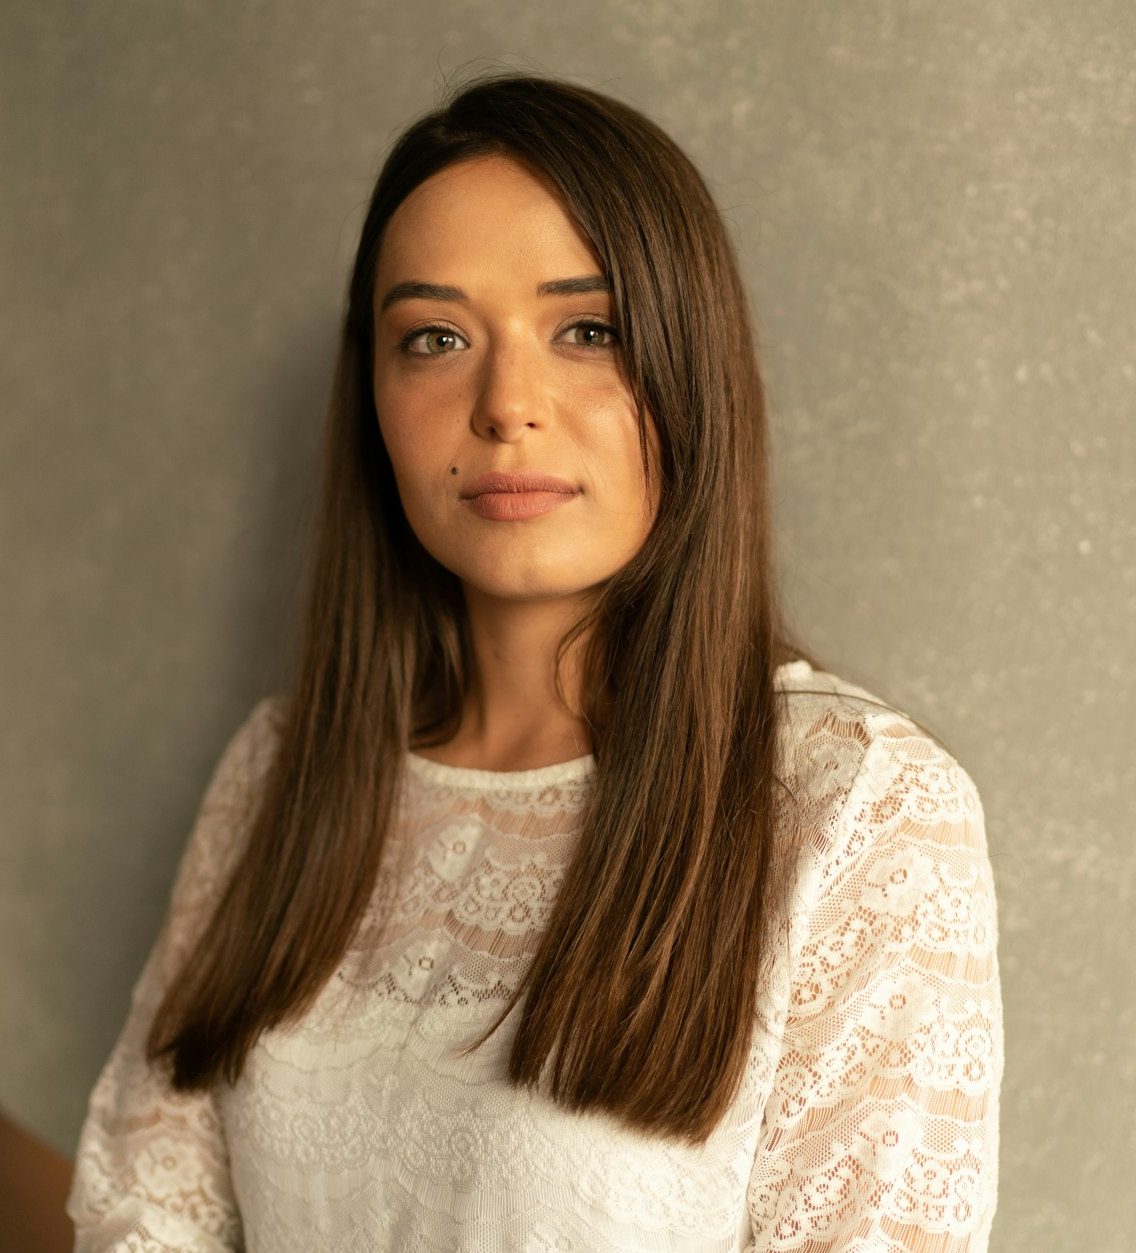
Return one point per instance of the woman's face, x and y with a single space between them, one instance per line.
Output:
486 360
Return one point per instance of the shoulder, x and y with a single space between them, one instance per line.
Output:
860 771
232 793
250 747
885 830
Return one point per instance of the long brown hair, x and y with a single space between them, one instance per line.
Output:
643 991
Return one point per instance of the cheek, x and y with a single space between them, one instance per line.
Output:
399 448
402 429
619 460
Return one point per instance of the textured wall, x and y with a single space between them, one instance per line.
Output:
936 208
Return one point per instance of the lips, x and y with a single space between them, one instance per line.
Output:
500 481
517 506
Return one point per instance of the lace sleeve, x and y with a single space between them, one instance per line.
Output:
881 1131
151 1170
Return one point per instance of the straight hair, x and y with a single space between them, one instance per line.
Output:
644 991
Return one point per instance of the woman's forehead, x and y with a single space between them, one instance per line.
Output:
479 212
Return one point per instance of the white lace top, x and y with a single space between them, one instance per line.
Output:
868 1118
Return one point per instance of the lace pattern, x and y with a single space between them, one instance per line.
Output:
867 1118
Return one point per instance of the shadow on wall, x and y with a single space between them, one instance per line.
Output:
34 1182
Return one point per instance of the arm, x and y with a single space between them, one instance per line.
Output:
881 1131
152 1170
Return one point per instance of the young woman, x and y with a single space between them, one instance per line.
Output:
561 903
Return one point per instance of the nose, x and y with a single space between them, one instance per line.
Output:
511 395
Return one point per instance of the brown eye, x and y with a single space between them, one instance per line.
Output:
591 335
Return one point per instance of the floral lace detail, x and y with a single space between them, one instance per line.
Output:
882 1124
468 886
867 1116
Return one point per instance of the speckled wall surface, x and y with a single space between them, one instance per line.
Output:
936 208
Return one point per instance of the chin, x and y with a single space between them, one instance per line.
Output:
524 589
527 565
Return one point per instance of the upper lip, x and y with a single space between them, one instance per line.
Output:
521 481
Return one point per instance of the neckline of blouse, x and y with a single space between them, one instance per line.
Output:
578 768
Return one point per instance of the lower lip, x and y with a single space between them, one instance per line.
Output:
516 506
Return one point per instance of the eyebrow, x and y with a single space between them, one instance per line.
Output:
582 285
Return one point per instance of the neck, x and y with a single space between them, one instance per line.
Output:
512 711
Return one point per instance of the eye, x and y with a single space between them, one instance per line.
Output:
431 341
591 335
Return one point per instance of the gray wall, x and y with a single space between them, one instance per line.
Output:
936 209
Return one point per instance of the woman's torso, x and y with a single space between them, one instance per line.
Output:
361 1128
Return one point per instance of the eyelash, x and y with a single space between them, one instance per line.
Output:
589 323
